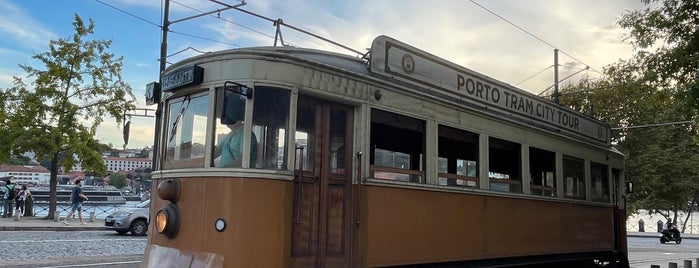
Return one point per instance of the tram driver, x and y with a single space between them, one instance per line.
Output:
231 146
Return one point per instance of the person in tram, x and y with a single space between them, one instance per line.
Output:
231 146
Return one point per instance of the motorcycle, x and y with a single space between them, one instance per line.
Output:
670 234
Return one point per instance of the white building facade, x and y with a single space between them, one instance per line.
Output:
32 175
115 164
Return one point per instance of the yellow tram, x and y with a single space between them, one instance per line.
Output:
290 157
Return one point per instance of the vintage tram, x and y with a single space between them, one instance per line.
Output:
291 157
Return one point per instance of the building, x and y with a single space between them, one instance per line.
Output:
33 175
115 164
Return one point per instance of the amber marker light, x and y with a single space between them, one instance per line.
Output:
167 221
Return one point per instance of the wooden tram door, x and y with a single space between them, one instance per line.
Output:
321 229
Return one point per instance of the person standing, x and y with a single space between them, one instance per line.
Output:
76 199
8 197
21 197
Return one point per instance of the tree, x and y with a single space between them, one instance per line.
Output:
57 116
117 180
654 88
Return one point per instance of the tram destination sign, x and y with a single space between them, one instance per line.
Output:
187 76
397 60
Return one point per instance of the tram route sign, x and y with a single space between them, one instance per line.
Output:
188 76
394 59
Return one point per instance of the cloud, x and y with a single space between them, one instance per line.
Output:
19 28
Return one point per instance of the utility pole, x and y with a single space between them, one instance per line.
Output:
556 95
161 71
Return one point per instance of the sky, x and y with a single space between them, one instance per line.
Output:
509 40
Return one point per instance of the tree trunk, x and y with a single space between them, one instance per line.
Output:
53 183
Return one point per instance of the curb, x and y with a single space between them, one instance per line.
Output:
50 228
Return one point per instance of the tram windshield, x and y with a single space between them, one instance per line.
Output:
264 138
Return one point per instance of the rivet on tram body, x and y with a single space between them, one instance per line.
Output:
169 190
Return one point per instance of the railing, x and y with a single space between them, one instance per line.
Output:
101 210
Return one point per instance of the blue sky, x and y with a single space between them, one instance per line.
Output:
461 31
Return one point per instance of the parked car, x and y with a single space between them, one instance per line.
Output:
130 219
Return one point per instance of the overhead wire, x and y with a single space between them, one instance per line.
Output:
532 76
226 20
130 14
529 33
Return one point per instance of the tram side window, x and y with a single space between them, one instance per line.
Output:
186 133
505 166
398 148
270 119
542 167
574 177
229 129
600 182
458 157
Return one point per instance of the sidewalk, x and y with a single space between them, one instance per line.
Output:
42 224
657 235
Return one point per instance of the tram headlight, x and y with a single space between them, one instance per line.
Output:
167 221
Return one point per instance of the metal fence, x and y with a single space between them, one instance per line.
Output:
100 211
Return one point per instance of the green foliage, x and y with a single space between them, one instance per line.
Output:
117 180
641 98
57 115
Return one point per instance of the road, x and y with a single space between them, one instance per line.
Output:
68 249
643 252
107 249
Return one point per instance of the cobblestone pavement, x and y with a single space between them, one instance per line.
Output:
31 242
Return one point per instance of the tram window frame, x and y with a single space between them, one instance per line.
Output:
574 178
231 109
270 123
599 182
187 115
457 157
505 165
542 170
390 155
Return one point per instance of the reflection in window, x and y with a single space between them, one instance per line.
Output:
338 133
505 166
305 134
186 133
270 123
600 182
397 144
542 167
574 177
458 154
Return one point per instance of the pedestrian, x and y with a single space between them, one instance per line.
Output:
76 199
20 199
8 197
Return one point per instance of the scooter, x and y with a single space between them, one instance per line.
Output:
670 234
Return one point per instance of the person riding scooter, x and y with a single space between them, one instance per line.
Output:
670 233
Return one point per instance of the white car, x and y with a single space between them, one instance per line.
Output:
130 219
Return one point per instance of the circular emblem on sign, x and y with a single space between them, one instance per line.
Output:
408 63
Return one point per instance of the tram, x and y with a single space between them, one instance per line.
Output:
292 157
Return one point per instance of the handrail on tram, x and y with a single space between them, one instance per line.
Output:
298 174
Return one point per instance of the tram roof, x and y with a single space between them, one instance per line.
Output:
388 62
